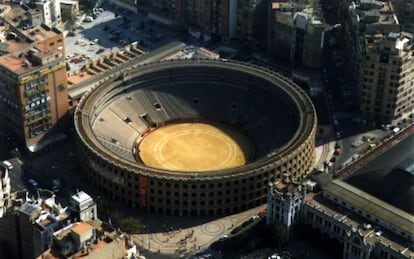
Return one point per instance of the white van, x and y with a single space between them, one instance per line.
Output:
7 164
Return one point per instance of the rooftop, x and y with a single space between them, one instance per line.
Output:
81 197
285 187
371 205
374 15
387 177
29 209
355 222
82 228
20 35
20 18
192 52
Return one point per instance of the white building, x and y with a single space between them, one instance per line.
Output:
50 10
84 206
284 204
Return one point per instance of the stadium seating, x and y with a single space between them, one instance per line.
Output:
251 103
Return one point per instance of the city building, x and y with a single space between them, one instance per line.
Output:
4 189
26 230
171 9
210 18
251 20
295 33
33 92
83 206
90 240
285 200
51 12
35 226
380 63
68 8
366 226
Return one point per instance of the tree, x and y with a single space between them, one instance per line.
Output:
130 225
72 21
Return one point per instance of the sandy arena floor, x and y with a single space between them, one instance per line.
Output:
195 147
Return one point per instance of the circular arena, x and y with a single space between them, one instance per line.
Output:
194 137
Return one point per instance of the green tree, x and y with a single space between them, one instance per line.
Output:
72 22
130 225
89 5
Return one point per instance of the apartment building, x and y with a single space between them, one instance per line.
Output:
208 17
381 61
51 12
165 8
29 223
295 33
33 92
36 226
251 20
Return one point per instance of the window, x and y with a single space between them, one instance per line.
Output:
157 106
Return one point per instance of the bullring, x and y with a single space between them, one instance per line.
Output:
274 114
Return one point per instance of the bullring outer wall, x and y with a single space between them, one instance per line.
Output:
185 193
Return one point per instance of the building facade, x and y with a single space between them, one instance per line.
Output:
33 92
212 18
251 21
295 33
4 189
285 201
366 226
380 63
51 12
83 206
38 227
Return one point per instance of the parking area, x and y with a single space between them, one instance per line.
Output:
111 29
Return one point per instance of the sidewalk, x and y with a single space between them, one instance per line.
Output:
194 239
324 153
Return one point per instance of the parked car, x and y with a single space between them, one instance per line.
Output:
7 164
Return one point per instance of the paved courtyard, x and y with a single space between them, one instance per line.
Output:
193 239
